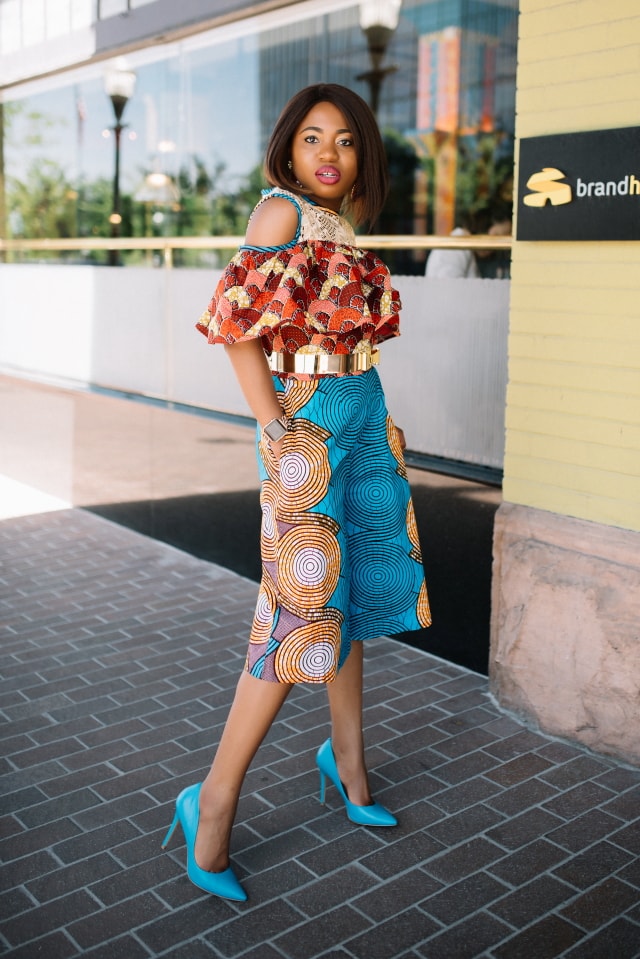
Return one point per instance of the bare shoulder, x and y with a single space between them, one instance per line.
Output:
273 222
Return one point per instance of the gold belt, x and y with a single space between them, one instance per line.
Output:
316 363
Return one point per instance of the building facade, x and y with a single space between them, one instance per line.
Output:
566 588
565 647
208 90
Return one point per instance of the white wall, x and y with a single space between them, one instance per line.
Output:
133 330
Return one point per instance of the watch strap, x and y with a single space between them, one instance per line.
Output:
275 429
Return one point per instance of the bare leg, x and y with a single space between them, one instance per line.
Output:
345 706
255 706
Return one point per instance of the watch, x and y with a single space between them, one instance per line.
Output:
275 429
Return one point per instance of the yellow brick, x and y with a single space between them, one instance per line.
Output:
571 16
569 350
618 407
577 41
598 254
576 119
573 426
601 63
601 91
562 300
578 479
614 276
619 328
600 379
609 510
622 328
607 458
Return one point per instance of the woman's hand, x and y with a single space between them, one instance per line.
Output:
276 448
401 439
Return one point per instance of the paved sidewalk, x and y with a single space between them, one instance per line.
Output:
119 657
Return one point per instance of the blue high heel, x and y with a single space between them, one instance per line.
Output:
223 884
373 815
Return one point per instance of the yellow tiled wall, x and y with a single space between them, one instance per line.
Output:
573 401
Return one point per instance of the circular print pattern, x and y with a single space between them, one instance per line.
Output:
344 410
423 610
309 654
269 532
304 467
264 615
308 567
298 393
412 532
384 576
375 500
394 445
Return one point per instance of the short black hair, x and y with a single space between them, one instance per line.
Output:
372 185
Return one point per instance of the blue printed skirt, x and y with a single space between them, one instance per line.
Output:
341 557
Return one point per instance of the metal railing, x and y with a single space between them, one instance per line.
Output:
167 244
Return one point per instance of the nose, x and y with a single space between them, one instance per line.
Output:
328 150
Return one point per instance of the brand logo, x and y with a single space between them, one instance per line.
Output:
546 189
628 186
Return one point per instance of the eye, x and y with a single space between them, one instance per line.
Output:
345 142
311 138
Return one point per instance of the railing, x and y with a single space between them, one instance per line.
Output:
167 244
131 331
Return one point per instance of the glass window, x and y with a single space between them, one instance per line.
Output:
111 8
58 18
83 13
10 34
33 26
197 124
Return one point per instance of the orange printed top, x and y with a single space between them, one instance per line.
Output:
320 293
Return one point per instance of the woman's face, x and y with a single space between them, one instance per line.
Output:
323 156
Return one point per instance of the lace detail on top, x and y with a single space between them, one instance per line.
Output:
314 223
319 294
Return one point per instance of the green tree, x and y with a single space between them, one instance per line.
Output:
43 203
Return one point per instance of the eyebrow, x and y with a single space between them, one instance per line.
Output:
320 130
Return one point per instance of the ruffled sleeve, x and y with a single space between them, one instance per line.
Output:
314 294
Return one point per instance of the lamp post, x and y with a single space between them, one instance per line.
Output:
378 20
119 86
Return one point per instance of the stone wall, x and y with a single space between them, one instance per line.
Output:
565 648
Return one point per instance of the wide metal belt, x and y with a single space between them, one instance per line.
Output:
318 363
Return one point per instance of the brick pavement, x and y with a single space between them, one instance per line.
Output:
119 658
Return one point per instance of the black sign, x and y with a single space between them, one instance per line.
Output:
580 186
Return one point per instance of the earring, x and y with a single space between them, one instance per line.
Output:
354 192
295 178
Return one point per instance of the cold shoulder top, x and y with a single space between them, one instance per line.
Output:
320 293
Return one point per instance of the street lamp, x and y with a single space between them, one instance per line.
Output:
378 20
119 86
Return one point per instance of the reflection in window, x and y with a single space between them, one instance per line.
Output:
33 26
10 38
446 108
111 8
82 14
58 18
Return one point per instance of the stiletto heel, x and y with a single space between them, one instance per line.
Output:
173 825
223 884
373 815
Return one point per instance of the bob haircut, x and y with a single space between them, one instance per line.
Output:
370 190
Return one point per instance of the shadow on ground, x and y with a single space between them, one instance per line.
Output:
455 525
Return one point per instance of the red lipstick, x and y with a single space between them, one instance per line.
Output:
328 174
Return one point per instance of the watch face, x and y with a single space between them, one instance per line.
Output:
275 430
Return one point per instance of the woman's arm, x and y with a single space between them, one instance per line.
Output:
274 222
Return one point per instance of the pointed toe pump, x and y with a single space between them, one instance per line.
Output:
223 884
372 815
